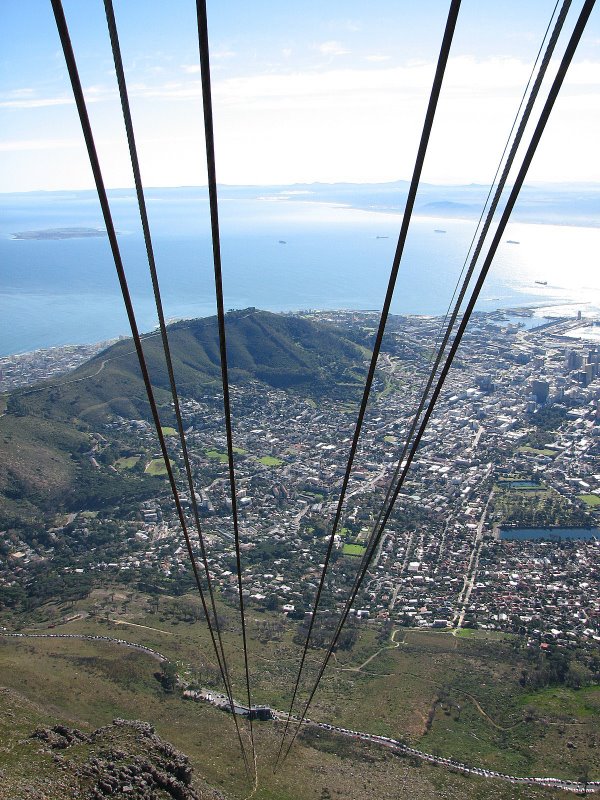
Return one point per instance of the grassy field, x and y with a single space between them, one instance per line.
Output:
127 463
467 688
537 489
168 430
536 451
221 455
591 500
353 549
320 767
532 506
216 455
476 633
157 467
270 461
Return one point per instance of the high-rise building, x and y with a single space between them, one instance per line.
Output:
541 389
574 360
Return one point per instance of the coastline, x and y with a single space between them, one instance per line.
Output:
338 255
18 370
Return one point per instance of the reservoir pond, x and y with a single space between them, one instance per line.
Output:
519 484
549 534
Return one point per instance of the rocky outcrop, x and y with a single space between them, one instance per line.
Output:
137 777
60 737
132 761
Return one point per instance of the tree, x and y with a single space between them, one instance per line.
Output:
272 602
168 676
584 776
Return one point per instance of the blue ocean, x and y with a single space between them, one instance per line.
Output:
279 253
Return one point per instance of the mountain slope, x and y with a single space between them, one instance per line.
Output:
124 759
284 352
46 446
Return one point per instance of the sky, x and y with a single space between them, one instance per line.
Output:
304 91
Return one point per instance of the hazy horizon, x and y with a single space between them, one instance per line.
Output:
333 94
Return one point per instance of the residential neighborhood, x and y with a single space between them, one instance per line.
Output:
494 528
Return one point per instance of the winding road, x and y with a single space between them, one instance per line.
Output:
591 787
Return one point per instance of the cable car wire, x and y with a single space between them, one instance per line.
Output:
63 31
441 347
531 149
216 245
129 128
414 185
487 199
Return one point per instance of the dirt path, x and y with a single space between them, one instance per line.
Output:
135 625
360 668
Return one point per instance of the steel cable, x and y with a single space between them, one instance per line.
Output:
534 142
216 245
420 158
484 231
129 128
71 64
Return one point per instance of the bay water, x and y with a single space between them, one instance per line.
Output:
278 254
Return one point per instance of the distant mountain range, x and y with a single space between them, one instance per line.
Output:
551 203
558 204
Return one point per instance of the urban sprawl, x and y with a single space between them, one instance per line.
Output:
512 450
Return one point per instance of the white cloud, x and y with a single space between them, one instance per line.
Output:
332 48
584 73
364 123
25 98
23 92
16 145
215 55
333 86
465 76
360 123
172 90
37 102
97 93
377 58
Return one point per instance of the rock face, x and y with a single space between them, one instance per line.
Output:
132 761
60 737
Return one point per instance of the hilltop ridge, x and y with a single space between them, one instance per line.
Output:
281 351
45 447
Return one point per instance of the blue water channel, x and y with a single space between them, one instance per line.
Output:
549 534
521 484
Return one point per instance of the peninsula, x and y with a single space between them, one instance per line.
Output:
60 233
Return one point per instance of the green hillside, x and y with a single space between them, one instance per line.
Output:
45 434
457 697
283 352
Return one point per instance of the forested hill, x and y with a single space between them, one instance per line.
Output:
282 351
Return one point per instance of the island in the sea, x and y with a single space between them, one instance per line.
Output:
60 233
